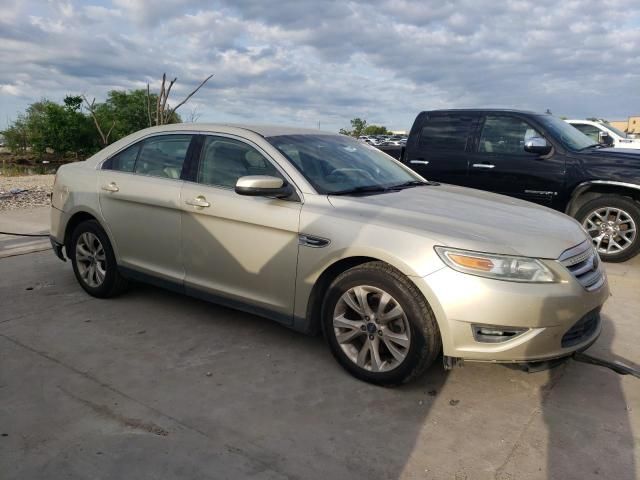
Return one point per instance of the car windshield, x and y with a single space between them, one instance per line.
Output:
339 164
571 137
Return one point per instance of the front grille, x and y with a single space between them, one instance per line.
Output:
584 264
582 330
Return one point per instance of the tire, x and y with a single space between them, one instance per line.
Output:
416 324
624 215
106 281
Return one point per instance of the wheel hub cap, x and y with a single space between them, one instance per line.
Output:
612 229
371 328
90 259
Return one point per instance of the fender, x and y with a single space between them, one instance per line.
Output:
584 186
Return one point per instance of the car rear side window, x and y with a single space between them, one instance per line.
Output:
224 160
123 161
505 135
446 132
163 156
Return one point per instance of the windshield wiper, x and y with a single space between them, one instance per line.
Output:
364 189
409 184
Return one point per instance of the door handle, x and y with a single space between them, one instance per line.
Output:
483 165
199 201
420 162
111 187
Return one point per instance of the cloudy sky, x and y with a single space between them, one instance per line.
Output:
301 62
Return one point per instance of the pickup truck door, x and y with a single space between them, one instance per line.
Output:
439 146
500 164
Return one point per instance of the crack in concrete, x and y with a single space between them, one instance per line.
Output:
106 412
500 474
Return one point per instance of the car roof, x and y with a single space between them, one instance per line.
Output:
483 110
262 130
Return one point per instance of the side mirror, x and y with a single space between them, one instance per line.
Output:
605 139
537 145
263 186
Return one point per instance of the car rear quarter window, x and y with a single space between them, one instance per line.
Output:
446 132
123 161
163 156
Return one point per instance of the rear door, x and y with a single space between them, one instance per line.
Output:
140 201
439 146
501 165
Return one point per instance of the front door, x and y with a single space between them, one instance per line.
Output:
501 165
241 251
140 201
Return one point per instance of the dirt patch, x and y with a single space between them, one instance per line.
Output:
25 191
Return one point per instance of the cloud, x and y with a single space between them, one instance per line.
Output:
304 61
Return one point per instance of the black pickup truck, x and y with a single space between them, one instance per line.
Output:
539 158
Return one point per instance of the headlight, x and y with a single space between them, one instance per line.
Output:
499 267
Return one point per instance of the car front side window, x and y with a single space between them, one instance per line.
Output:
505 135
163 156
224 160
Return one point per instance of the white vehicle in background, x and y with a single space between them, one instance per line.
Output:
605 133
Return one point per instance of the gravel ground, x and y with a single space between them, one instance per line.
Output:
38 188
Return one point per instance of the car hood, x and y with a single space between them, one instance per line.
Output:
469 219
615 153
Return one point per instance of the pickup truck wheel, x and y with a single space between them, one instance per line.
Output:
379 326
93 260
613 223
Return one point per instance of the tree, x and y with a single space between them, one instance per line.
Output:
375 130
361 127
48 125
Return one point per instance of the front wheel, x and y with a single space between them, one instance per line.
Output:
613 222
379 326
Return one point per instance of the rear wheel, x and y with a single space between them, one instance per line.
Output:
379 326
94 262
613 222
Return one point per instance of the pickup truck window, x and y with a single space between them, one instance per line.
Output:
448 132
505 135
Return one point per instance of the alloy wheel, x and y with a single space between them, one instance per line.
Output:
91 259
371 328
612 229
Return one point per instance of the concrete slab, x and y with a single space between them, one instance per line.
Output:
155 385
27 220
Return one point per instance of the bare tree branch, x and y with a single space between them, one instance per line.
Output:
163 110
171 111
92 110
149 105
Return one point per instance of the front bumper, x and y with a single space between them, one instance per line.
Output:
546 311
